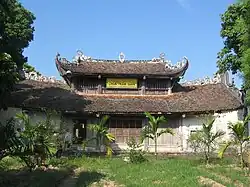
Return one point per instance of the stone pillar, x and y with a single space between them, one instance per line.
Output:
169 90
99 89
169 87
73 85
143 87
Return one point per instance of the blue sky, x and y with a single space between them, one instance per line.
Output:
141 29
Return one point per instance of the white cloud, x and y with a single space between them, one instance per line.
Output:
184 4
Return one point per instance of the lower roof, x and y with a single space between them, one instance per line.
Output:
202 98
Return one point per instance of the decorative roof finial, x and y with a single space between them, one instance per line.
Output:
121 57
162 57
79 56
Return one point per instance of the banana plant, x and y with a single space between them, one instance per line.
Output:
239 138
151 129
103 137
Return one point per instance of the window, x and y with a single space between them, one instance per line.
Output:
89 83
156 84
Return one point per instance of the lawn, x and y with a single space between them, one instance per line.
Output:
87 171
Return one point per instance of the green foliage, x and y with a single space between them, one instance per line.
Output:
135 152
206 139
9 143
39 137
240 139
102 137
246 54
195 143
151 129
16 31
31 145
28 68
8 77
233 31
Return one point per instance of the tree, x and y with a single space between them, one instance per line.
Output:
235 55
233 31
151 129
246 54
16 31
239 139
206 138
28 68
102 137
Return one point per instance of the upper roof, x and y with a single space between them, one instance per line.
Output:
88 66
202 98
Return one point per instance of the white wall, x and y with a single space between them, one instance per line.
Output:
186 125
6 115
36 116
194 122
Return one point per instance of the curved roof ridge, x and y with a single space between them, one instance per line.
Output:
88 67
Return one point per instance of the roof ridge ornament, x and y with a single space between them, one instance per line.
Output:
121 57
80 57
162 57
202 81
178 65
33 75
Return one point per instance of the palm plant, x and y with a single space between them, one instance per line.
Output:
239 138
103 137
208 138
151 129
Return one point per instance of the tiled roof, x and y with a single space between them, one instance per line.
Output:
117 68
210 97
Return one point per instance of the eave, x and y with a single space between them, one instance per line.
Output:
108 69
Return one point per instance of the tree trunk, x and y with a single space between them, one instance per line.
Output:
241 155
155 139
208 154
97 143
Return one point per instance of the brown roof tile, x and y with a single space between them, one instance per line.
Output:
211 97
117 68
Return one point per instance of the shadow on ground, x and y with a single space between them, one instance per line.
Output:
39 178
86 178
49 178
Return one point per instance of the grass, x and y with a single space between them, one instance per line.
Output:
14 174
175 171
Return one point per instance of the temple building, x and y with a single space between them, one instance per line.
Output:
124 90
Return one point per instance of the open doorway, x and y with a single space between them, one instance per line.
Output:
80 131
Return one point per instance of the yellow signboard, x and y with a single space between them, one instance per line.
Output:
121 83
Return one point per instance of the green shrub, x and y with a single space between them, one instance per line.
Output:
135 153
195 142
